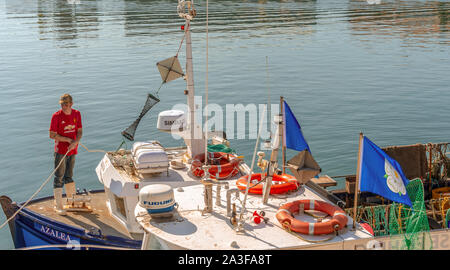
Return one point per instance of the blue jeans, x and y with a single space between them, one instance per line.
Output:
63 175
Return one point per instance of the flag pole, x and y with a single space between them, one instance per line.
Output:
283 146
358 169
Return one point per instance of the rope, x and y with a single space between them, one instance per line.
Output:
251 170
43 184
157 91
206 88
118 148
269 113
35 193
176 56
92 151
182 40
288 229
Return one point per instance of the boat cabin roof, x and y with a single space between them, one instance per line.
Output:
190 228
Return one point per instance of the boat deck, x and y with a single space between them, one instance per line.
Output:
190 228
99 218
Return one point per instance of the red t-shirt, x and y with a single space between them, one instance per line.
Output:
67 126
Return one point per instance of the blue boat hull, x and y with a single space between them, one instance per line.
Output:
30 230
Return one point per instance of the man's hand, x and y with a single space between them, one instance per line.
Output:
72 145
56 136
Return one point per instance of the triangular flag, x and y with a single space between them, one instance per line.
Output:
292 135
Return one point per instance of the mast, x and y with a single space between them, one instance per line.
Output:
273 164
281 131
195 134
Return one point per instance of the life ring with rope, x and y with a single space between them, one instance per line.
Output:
337 222
223 165
280 183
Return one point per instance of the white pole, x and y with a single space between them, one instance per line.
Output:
240 223
196 136
273 157
206 89
358 176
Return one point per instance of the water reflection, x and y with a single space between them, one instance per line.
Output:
70 21
409 20
64 21
76 19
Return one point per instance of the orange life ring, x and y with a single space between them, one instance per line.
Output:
337 222
223 165
280 183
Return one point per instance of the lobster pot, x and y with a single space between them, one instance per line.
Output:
171 121
157 199
149 157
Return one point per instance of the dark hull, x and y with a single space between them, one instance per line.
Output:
31 230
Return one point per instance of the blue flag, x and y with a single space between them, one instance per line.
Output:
381 174
293 136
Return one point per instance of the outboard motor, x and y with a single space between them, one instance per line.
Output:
158 200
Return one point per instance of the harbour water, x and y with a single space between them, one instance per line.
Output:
344 66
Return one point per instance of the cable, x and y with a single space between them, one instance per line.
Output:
91 151
35 193
43 184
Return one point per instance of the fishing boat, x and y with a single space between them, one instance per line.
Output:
202 195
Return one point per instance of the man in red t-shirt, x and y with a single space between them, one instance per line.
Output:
66 130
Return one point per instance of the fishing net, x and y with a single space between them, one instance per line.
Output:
220 148
408 227
415 222
447 218
129 132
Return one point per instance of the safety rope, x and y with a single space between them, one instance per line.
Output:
35 193
288 229
243 209
173 61
45 182
92 151
206 87
232 172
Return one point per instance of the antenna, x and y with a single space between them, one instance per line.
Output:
241 216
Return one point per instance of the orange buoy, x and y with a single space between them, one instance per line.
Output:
280 183
337 222
223 165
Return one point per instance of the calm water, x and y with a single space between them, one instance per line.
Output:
344 66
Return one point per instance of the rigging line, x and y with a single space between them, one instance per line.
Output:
36 192
206 89
92 151
118 148
159 88
182 39
45 182
268 96
176 55
251 170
